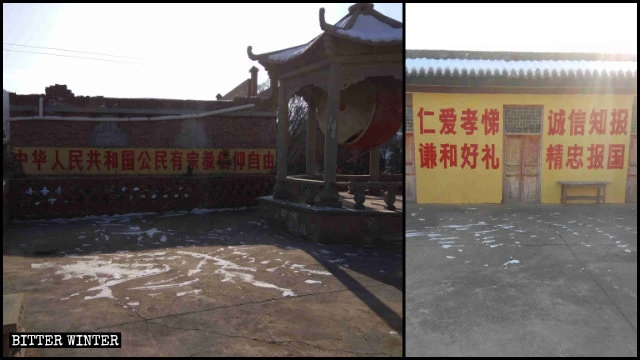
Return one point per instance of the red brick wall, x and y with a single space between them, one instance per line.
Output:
225 132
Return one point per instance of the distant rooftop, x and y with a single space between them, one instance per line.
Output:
59 100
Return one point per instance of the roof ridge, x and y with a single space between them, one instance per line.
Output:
554 68
517 55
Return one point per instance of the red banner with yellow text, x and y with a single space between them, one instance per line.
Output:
132 161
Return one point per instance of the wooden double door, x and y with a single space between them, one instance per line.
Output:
522 165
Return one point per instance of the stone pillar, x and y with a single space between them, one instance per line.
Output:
329 195
273 85
312 125
280 190
374 170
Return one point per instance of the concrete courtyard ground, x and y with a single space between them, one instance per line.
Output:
538 280
204 284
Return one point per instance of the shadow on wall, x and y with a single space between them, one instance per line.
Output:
192 135
108 134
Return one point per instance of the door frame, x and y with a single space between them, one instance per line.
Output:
540 153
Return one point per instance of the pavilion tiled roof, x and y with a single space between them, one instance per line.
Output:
362 24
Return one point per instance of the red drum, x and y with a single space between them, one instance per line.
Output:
369 113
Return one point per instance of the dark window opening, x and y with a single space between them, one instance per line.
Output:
522 119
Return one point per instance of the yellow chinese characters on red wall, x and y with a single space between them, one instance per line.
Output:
132 161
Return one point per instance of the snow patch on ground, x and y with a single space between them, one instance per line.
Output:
198 268
164 286
335 261
157 253
478 233
414 234
224 264
106 273
248 278
196 291
70 296
317 272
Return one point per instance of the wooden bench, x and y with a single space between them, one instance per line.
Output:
600 198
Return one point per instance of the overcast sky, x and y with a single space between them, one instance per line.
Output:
177 51
611 28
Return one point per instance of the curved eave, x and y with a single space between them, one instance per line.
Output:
281 57
267 58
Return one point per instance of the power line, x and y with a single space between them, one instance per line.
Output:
75 57
81 52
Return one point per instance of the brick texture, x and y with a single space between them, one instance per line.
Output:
224 132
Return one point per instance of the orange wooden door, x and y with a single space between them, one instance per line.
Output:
521 182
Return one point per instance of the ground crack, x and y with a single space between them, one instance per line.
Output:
597 282
288 298
272 341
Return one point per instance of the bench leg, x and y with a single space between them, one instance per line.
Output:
563 197
598 198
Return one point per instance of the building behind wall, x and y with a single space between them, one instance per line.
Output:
497 127
242 118
158 153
